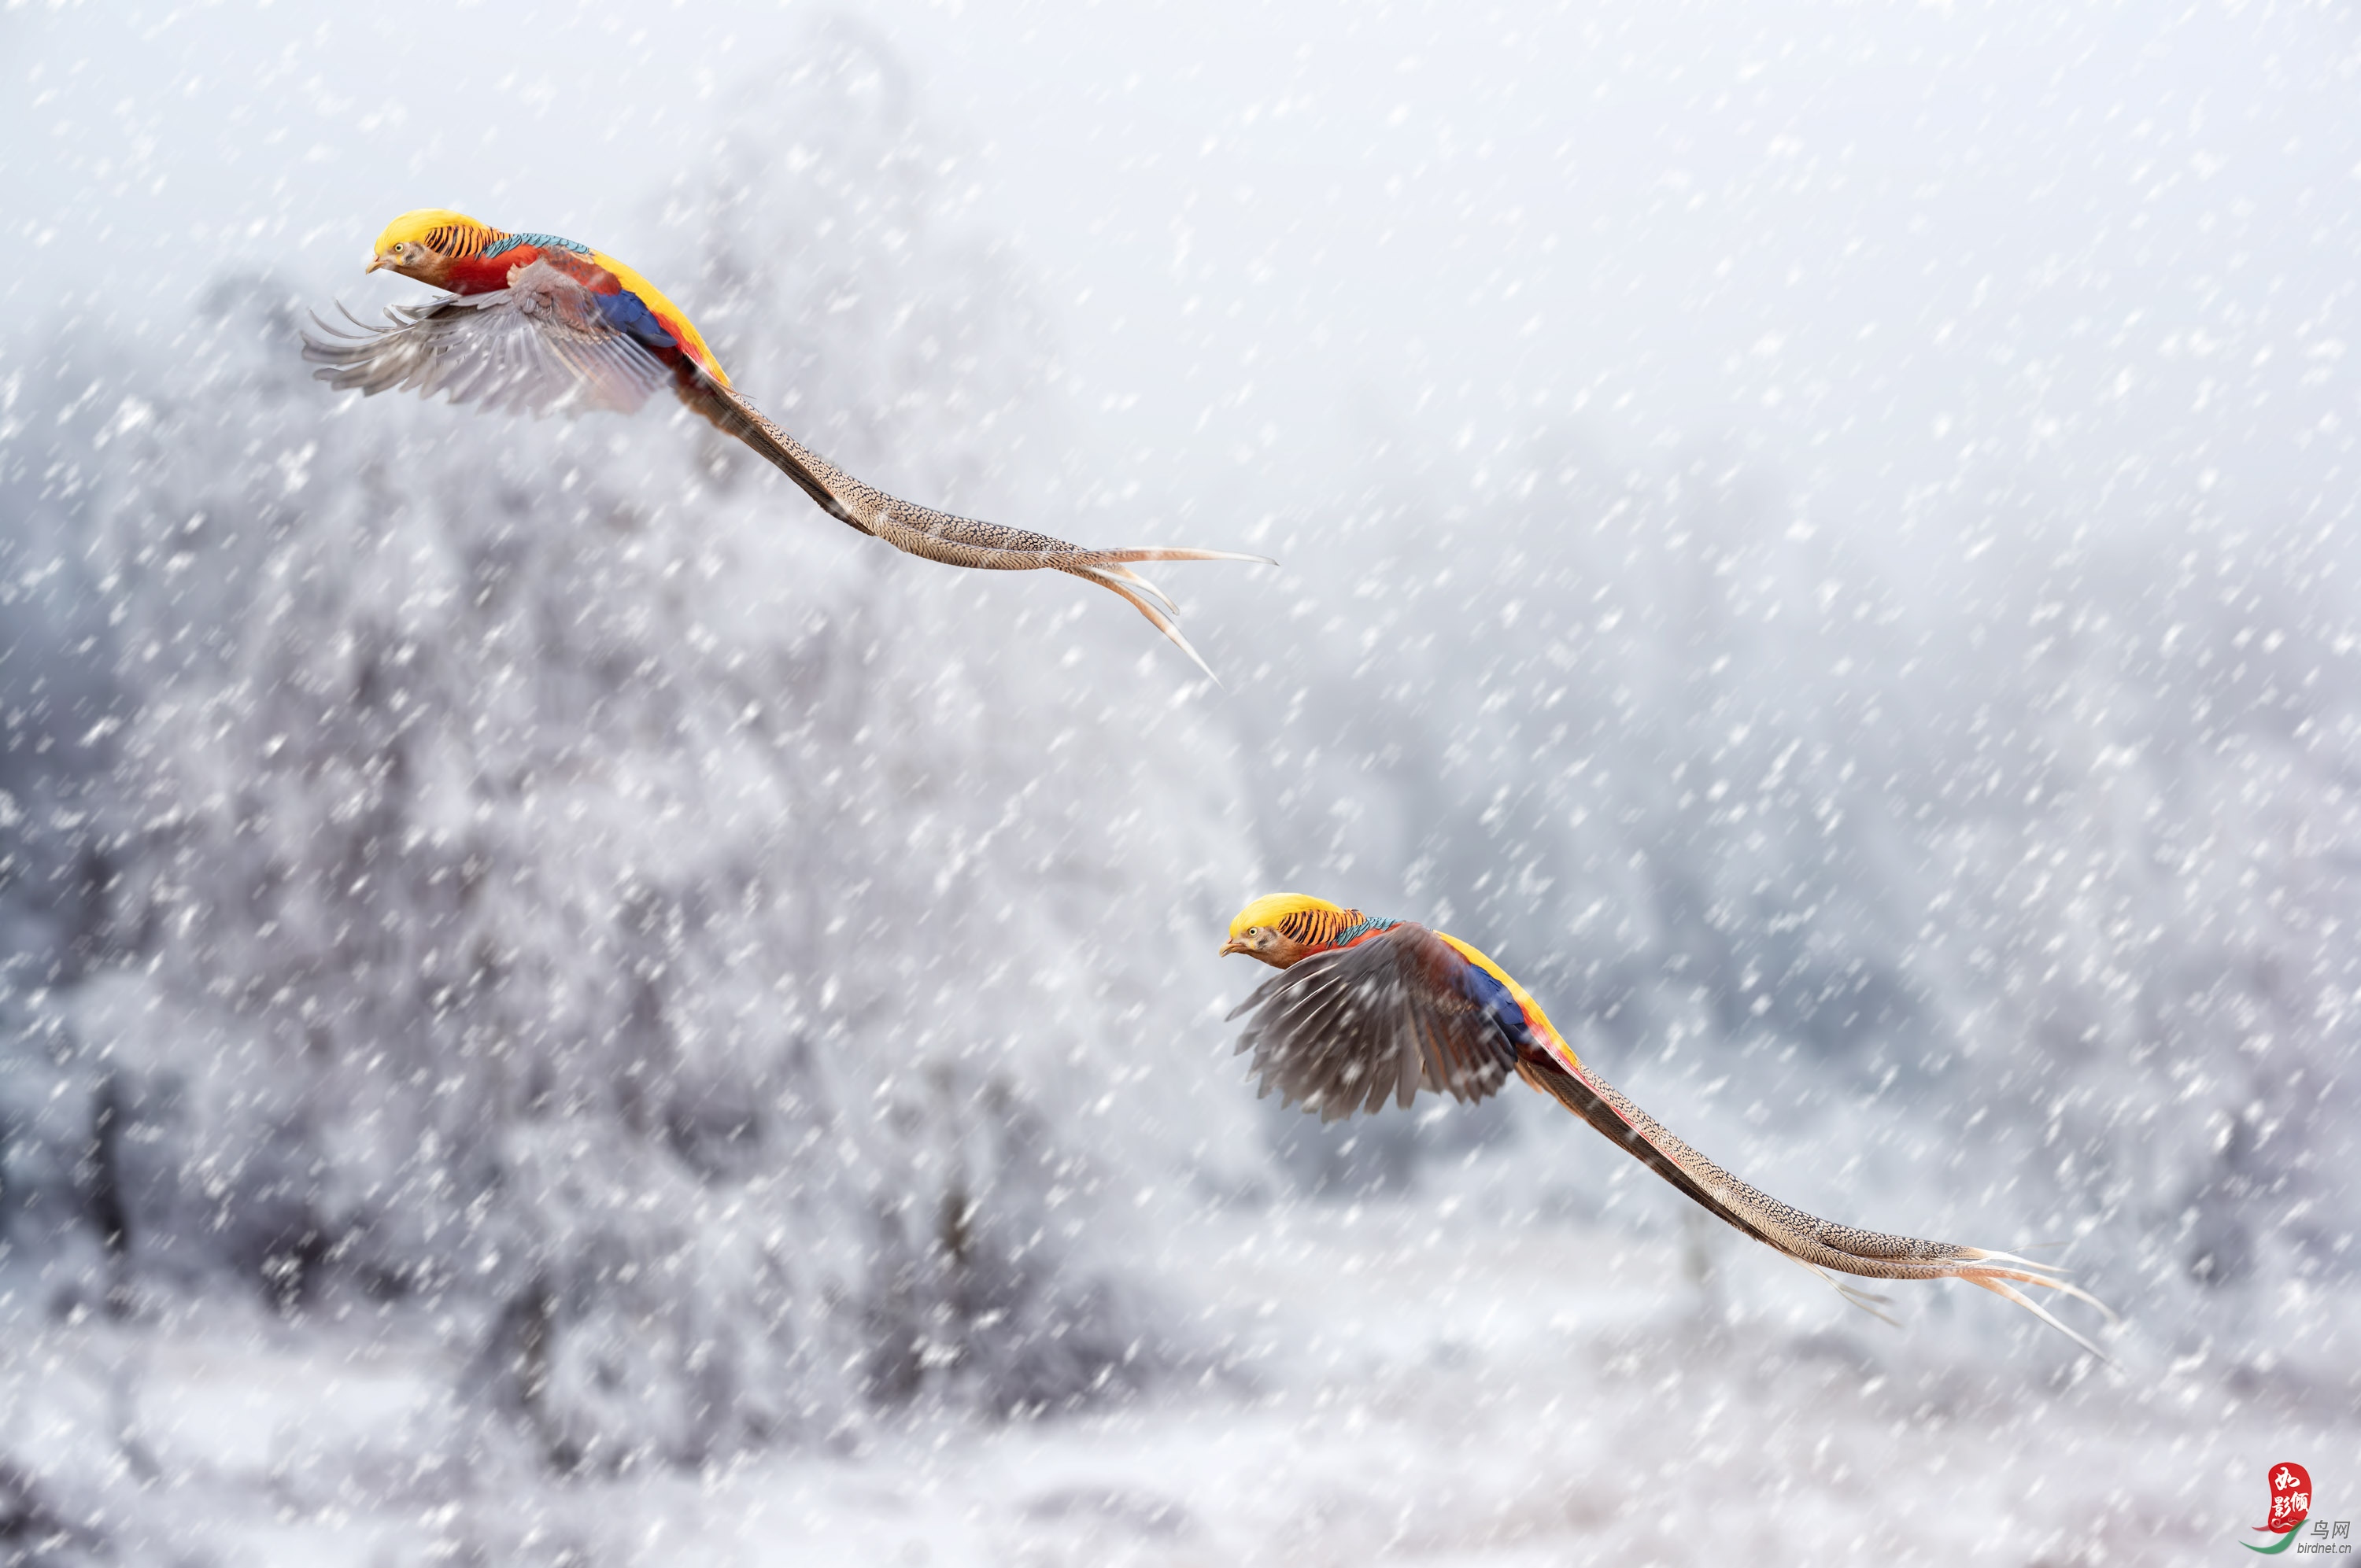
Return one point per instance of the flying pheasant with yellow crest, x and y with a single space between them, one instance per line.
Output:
533 322
1366 1009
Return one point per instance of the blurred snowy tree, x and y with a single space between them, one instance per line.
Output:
587 892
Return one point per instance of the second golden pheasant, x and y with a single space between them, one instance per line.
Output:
1364 1010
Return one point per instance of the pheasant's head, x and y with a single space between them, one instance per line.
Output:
1284 928
423 244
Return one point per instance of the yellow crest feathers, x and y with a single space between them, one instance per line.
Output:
1271 909
416 226
438 228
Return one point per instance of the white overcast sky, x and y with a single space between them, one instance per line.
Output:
1880 249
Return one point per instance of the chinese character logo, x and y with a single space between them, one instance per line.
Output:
2291 1501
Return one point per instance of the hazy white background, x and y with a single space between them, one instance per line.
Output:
1820 535
2097 245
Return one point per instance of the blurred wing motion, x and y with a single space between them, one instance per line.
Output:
1391 1015
1404 1008
538 346
550 343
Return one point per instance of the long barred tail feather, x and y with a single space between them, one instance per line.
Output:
943 536
1819 1245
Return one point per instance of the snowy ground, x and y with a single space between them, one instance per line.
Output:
1411 1390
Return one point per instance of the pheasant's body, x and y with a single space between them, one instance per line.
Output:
1366 1009
483 260
535 321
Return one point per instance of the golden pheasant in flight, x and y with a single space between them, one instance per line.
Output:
1366 1009
535 323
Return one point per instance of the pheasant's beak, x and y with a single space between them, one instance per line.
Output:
377 261
1233 945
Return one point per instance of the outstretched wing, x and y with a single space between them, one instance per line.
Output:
1395 1012
543 344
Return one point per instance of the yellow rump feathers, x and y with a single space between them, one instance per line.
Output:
1524 998
1271 909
